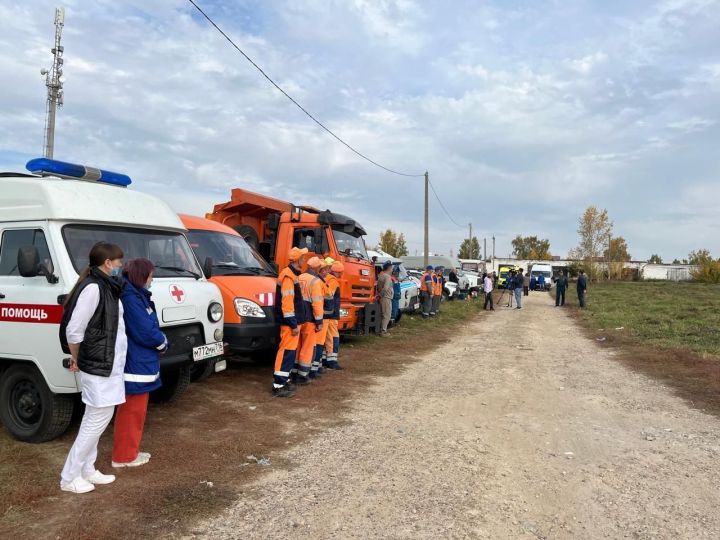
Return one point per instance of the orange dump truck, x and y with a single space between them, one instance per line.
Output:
246 281
274 227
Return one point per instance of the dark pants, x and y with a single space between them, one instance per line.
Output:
526 290
581 298
559 297
489 300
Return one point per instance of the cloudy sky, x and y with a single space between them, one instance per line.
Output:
523 112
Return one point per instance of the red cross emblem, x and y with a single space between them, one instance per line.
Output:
178 295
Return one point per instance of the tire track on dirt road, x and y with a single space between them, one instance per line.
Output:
520 427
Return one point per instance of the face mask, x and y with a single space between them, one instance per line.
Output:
115 272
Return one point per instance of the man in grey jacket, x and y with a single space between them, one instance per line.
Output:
385 294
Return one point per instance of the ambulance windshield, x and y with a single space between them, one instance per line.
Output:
231 255
351 244
168 251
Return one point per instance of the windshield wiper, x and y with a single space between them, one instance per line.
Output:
179 269
258 269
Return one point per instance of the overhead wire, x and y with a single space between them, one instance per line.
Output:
303 109
318 122
443 206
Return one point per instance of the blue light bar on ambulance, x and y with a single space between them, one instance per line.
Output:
45 167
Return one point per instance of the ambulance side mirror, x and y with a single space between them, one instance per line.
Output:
28 263
207 267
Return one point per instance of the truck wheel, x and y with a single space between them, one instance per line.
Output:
174 384
202 370
249 234
30 411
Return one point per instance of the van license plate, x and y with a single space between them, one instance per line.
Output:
207 351
417 306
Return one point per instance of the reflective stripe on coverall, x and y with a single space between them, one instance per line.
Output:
332 337
311 287
426 293
287 352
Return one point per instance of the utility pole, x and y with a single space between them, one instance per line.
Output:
54 85
426 251
493 247
485 249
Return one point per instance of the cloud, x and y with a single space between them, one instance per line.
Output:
523 116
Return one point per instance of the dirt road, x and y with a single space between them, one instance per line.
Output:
519 428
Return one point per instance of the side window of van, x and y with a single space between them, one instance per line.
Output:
13 240
305 238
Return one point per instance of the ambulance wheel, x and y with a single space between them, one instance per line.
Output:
202 370
174 383
30 411
249 234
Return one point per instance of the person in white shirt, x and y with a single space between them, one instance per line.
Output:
487 289
93 332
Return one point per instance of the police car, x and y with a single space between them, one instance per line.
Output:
49 220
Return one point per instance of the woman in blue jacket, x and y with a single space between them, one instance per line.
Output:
142 368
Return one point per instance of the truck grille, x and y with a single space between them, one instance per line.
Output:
359 291
183 338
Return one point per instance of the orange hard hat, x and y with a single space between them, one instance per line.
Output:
315 262
296 253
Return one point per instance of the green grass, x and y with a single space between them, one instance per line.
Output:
451 313
664 314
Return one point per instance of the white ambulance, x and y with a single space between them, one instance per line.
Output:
49 220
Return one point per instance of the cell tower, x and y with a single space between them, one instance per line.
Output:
54 85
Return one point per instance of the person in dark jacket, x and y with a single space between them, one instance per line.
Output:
560 288
397 294
142 369
582 288
92 331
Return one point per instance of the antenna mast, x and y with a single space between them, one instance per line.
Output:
54 85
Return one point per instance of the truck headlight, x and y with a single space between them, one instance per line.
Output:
364 272
248 308
344 312
215 312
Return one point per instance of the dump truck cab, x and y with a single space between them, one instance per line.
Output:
273 227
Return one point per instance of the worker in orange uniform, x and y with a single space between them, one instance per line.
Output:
291 313
437 289
332 338
313 292
426 292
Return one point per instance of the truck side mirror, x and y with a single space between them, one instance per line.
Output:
207 267
28 263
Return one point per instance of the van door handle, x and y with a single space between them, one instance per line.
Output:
2 296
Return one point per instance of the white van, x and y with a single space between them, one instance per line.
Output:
409 286
48 223
545 270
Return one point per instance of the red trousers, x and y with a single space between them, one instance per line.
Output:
129 423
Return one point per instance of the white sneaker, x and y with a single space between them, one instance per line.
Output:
139 460
79 485
99 478
146 454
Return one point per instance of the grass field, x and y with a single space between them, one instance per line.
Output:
663 314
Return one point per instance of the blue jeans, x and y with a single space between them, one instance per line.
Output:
518 297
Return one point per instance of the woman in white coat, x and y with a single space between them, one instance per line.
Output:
93 332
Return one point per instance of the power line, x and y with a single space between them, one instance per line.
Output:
318 122
443 207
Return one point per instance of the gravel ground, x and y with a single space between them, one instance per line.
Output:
540 436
